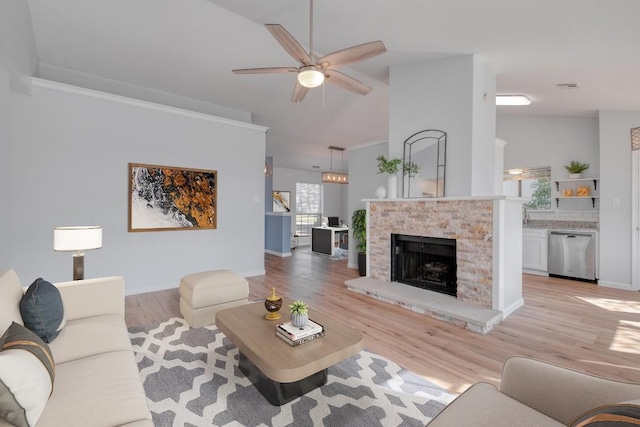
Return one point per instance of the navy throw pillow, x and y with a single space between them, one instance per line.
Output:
42 310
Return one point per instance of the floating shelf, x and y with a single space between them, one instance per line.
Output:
593 199
558 181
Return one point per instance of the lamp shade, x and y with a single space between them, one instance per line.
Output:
77 238
310 76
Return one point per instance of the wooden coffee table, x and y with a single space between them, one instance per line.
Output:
279 371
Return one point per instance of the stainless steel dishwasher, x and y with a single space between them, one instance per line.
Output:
572 255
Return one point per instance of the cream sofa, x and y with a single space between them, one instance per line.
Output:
96 378
534 394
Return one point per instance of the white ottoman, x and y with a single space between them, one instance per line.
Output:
203 294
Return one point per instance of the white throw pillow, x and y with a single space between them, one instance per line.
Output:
26 376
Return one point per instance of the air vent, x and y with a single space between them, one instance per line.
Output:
567 86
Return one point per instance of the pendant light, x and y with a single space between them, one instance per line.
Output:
335 177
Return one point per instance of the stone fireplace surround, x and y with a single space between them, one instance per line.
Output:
489 261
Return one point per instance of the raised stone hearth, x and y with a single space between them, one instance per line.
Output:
488 235
429 303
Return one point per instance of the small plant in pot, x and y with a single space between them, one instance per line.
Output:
299 314
575 168
359 230
391 166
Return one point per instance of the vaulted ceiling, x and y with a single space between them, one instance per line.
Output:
188 48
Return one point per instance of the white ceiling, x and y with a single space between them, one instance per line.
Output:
189 48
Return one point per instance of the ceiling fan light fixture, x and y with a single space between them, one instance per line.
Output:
512 100
310 76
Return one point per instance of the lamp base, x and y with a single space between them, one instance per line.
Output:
78 266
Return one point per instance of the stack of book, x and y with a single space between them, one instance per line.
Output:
295 336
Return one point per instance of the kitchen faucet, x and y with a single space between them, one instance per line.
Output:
525 215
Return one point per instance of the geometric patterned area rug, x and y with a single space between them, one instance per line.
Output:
191 378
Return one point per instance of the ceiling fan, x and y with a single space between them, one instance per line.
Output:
312 70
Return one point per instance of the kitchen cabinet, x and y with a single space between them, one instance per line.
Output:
570 191
534 250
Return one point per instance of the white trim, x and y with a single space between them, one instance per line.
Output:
516 305
367 144
142 104
280 254
165 286
535 272
624 286
446 199
635 220
151 288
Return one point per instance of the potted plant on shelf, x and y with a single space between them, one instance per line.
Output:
299 314
390 167
575 169
359 230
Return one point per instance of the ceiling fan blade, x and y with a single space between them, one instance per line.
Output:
289 44
352 54
346 82
299 92
268 70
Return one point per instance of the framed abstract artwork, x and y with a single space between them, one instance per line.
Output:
282 201
171 198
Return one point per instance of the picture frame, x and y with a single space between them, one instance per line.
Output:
282 201
164 198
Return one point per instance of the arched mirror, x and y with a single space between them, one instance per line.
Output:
424 164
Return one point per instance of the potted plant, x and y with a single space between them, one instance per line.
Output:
391 168
299 314
359 230
575 169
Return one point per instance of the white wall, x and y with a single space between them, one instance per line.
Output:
5 167
447 95
285 180
70 155
18 60
363 181
615 221
484 130
546 141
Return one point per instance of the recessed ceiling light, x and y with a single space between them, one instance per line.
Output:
515 171
512 100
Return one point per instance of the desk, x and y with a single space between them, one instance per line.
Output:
323 239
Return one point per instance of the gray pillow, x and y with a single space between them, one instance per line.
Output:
27 374
42 311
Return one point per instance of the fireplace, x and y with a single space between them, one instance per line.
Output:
424 262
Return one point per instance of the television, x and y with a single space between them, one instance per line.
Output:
333 221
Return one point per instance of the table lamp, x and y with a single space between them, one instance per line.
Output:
78 239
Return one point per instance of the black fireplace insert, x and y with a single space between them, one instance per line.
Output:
424 262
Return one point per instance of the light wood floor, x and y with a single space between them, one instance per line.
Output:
575 324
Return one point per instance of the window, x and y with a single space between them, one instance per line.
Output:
308 207
532 184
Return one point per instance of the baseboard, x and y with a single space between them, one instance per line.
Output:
152 288
253 273
624 286
516 305
165 286
536 272
280 254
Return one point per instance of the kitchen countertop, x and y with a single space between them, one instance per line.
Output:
561 225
